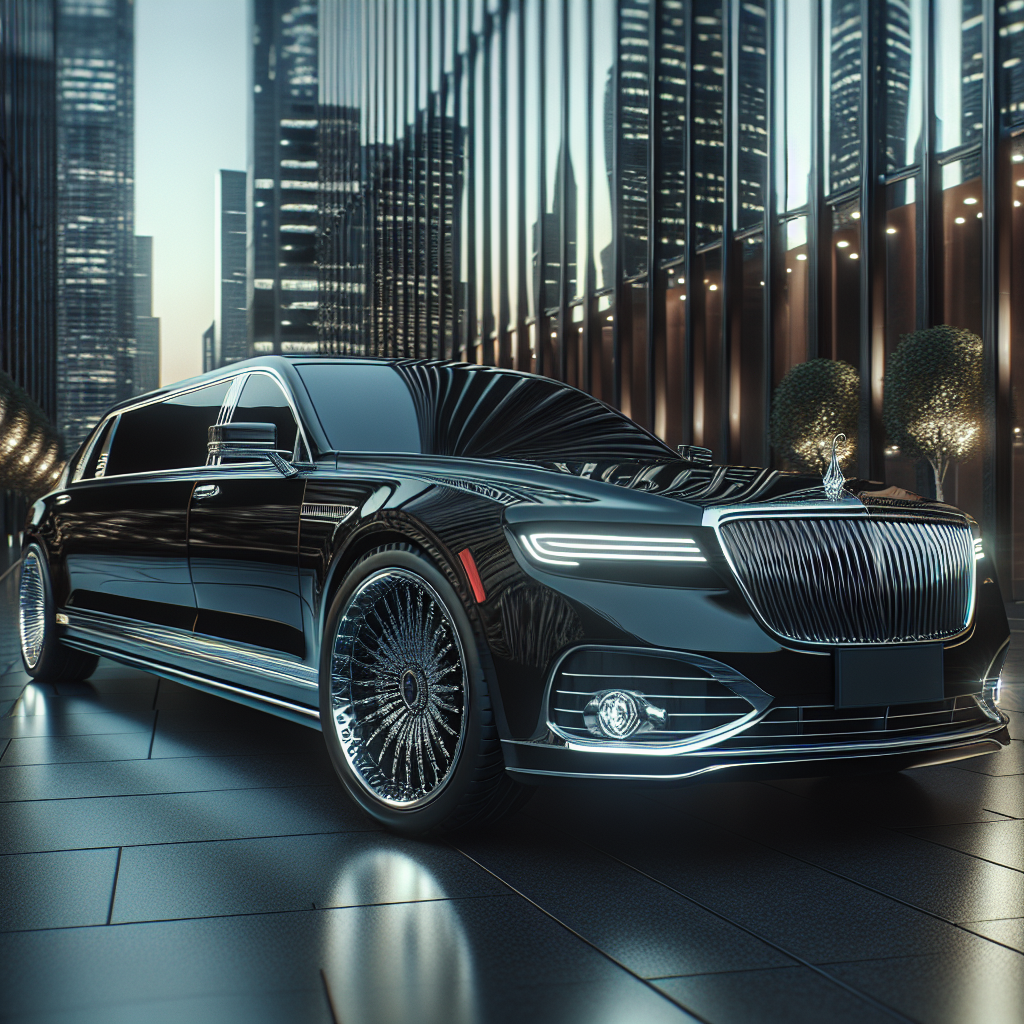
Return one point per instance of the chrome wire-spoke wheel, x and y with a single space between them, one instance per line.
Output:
32 609
399 688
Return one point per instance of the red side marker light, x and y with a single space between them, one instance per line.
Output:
466 558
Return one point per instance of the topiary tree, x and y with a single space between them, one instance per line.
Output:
934 405
30 460
815 401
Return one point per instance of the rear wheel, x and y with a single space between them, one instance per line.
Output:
45 658
404 702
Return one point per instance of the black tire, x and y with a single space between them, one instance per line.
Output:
45 658
414 684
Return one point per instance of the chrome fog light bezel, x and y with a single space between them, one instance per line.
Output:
640 714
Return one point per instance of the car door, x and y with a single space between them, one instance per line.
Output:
243 534
122 521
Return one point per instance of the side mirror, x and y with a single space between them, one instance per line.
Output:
248 441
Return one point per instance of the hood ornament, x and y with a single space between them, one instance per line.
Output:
833 478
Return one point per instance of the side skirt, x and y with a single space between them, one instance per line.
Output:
283 708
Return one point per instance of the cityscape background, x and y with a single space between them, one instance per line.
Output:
668 203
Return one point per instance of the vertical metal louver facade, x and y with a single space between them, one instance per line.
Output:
671 203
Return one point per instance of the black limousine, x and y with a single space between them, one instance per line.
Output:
473 579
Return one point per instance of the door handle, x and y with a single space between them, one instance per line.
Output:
206 491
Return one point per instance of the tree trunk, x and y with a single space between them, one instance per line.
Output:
939 469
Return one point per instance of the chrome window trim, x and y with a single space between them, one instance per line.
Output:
737 682
87 453
289 397
848 507
233 378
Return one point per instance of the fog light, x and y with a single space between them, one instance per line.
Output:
619 714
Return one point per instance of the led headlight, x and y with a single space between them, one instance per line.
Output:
573 548
978 549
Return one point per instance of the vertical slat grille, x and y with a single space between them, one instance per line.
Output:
856 580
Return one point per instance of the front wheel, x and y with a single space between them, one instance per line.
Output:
404 703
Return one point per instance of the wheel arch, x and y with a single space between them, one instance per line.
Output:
376 535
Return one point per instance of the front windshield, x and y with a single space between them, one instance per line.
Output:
470 411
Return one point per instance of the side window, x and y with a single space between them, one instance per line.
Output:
263 401
166 435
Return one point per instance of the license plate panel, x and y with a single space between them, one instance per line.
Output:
888 674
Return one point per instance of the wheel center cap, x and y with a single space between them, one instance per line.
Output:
411 688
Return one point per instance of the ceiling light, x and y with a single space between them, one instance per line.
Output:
854 256
959 220
801 257
890 231
855 214
842 245
713 288
970 201
1020 184
789 270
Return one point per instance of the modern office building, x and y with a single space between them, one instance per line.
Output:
147 326
28 217
95 189
28 198
670 203
229 286
283 174
209 345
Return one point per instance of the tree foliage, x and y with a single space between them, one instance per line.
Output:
29 446
815 401
934 404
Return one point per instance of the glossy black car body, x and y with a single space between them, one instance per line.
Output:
739 599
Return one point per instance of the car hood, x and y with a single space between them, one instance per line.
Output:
708 486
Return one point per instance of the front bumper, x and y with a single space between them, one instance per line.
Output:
532 761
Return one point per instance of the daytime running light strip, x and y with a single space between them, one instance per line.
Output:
563 548
978 551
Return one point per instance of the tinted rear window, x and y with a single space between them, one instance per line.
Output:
166 435
471 411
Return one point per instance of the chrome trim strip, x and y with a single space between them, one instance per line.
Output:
848 505
884 746
166 640
335 513
707 769
194 679
724 674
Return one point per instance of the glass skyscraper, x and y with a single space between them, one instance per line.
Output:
671 203
229 287
95 188
28 219
283 174
28 198
147 326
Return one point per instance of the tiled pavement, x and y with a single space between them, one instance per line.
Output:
166 856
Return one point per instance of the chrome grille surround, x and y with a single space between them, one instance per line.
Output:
707 701
833 574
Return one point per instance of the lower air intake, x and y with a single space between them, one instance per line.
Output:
694 700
